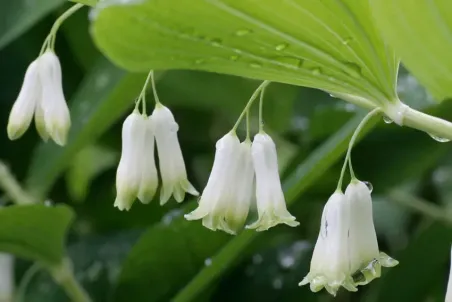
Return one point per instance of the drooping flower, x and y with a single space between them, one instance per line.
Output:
24 107
129 173
330 260
271 205
171 161
449 284
149 179
57 119
225 202
41 95
365 258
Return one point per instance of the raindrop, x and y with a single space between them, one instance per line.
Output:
234 58
316 71
243 32
255 65
174 127
369 186
216 42
347 41
353 69
439 139
281 46
332 95
387 120
295 62
208 262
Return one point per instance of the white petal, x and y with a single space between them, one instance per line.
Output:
6 277
220 194
271 205
363 238
24 107
330 261
129 173
171 161
149 181
40 121
449 285
56 113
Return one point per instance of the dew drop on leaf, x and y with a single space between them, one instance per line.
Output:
316 71
281 46
243 32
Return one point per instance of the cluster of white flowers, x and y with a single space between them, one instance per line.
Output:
41 96
137 174
346 253
240 173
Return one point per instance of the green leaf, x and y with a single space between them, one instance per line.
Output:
165 258
330 45
421 33
104 96
35 232
19 15
304 176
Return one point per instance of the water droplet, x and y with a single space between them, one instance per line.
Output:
316 71
387 120
243 32
216 42
353 69
234 58
199 61
281 46
255 65
174 127
439 139
292 61
369 186
332 95
208 262
347 41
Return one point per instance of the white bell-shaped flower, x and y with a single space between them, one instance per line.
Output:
171 161
330 260
365 258
6 277
130 171
149 179
271 205
225 202
449 284
24 107
57 119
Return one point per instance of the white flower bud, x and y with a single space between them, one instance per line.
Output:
129 173
171 162
56 113
224 203
330 260
149 179
271 205
24 107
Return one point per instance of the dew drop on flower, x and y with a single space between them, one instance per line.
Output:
369 185
387 120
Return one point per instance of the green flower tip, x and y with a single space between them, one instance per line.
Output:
268 220
373 269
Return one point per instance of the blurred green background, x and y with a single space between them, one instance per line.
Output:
151 253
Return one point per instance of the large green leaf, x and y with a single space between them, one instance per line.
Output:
421 32
19 15
104 96
35 232
330 45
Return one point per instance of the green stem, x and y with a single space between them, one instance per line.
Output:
419 205
154 90
25 281
12 188
348 159
142 96
250 102
60 21
63 274
261 105
91 3
248 125
427 123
